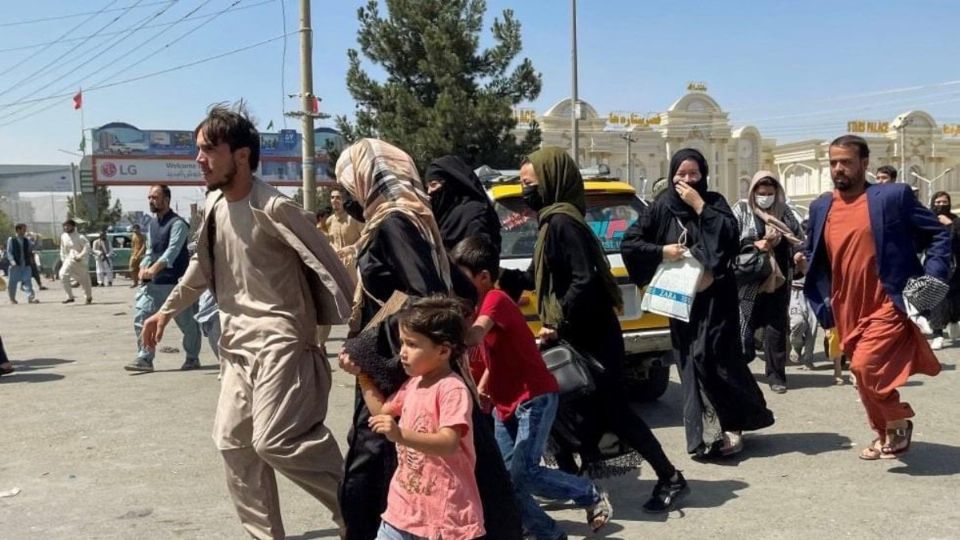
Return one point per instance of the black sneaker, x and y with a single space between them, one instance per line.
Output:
666 495
68 301
778 388
141 366
190 364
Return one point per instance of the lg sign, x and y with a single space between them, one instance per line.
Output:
110 169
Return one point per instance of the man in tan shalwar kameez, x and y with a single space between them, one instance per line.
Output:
275 279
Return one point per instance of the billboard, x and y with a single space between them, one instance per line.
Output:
126 155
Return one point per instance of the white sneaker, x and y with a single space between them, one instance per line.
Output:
937 343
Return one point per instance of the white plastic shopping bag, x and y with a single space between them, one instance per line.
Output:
673 288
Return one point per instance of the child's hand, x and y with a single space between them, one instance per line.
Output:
385 425
347 365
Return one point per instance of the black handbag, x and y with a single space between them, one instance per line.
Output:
572 369
751 265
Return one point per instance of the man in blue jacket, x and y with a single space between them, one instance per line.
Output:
862 247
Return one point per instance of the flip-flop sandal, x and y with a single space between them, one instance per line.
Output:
872 452
896 437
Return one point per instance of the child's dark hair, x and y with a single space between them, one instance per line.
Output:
477 253
441 318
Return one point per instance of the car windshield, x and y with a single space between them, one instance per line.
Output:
609 216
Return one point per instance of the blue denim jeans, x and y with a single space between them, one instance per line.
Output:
389 532
522 440
150 297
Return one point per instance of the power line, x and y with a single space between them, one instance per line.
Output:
65 34
283 66
75 15
153 74
107 34
209 19
57 59
104 50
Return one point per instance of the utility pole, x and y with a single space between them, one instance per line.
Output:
630 140
307 101
574 101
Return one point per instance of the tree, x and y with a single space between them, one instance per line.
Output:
6 227
442 95
105 216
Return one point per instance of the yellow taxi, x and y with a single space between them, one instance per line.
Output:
612 206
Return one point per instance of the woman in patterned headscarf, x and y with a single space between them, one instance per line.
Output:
400 249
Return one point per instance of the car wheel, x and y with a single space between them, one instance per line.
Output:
646 376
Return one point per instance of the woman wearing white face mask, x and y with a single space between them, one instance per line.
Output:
768 223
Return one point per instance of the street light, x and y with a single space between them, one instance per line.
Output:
900 124
628 136
930 182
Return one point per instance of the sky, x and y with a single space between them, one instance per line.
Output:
796 70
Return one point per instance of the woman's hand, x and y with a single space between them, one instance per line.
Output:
763 245
673 252
706 280
690 196
945 220
800 260
547 335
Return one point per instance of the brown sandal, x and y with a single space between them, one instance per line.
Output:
898 442
872 452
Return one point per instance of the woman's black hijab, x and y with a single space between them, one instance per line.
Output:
677 206
461 206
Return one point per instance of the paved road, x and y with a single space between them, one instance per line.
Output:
99 453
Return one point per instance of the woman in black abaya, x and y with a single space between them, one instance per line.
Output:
720 396
460 203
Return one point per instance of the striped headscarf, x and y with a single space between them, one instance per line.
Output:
384 179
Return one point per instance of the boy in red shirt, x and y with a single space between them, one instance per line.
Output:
525 398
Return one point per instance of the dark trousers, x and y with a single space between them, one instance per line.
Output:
608 410
771 313
3 353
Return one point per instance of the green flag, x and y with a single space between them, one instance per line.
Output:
83 144
270 125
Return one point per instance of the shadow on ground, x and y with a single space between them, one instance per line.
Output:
778 444
703 494
18 376
929 459
322 533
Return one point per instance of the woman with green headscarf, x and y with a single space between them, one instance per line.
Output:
578 302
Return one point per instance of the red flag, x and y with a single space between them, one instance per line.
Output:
78 100
315 105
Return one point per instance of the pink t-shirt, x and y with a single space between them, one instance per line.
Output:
435 496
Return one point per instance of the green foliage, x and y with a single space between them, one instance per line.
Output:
6 227
442 94
105 215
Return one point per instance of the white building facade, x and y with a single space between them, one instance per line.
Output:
734 154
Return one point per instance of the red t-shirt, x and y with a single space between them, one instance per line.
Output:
517 371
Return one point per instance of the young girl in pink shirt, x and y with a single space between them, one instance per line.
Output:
433 493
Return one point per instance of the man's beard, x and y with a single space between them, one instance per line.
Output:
228 178
842 183
153 208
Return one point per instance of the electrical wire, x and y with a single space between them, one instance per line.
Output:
104 50
283 65
52 43
209 18
106 34
75 15
152 74
57 59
